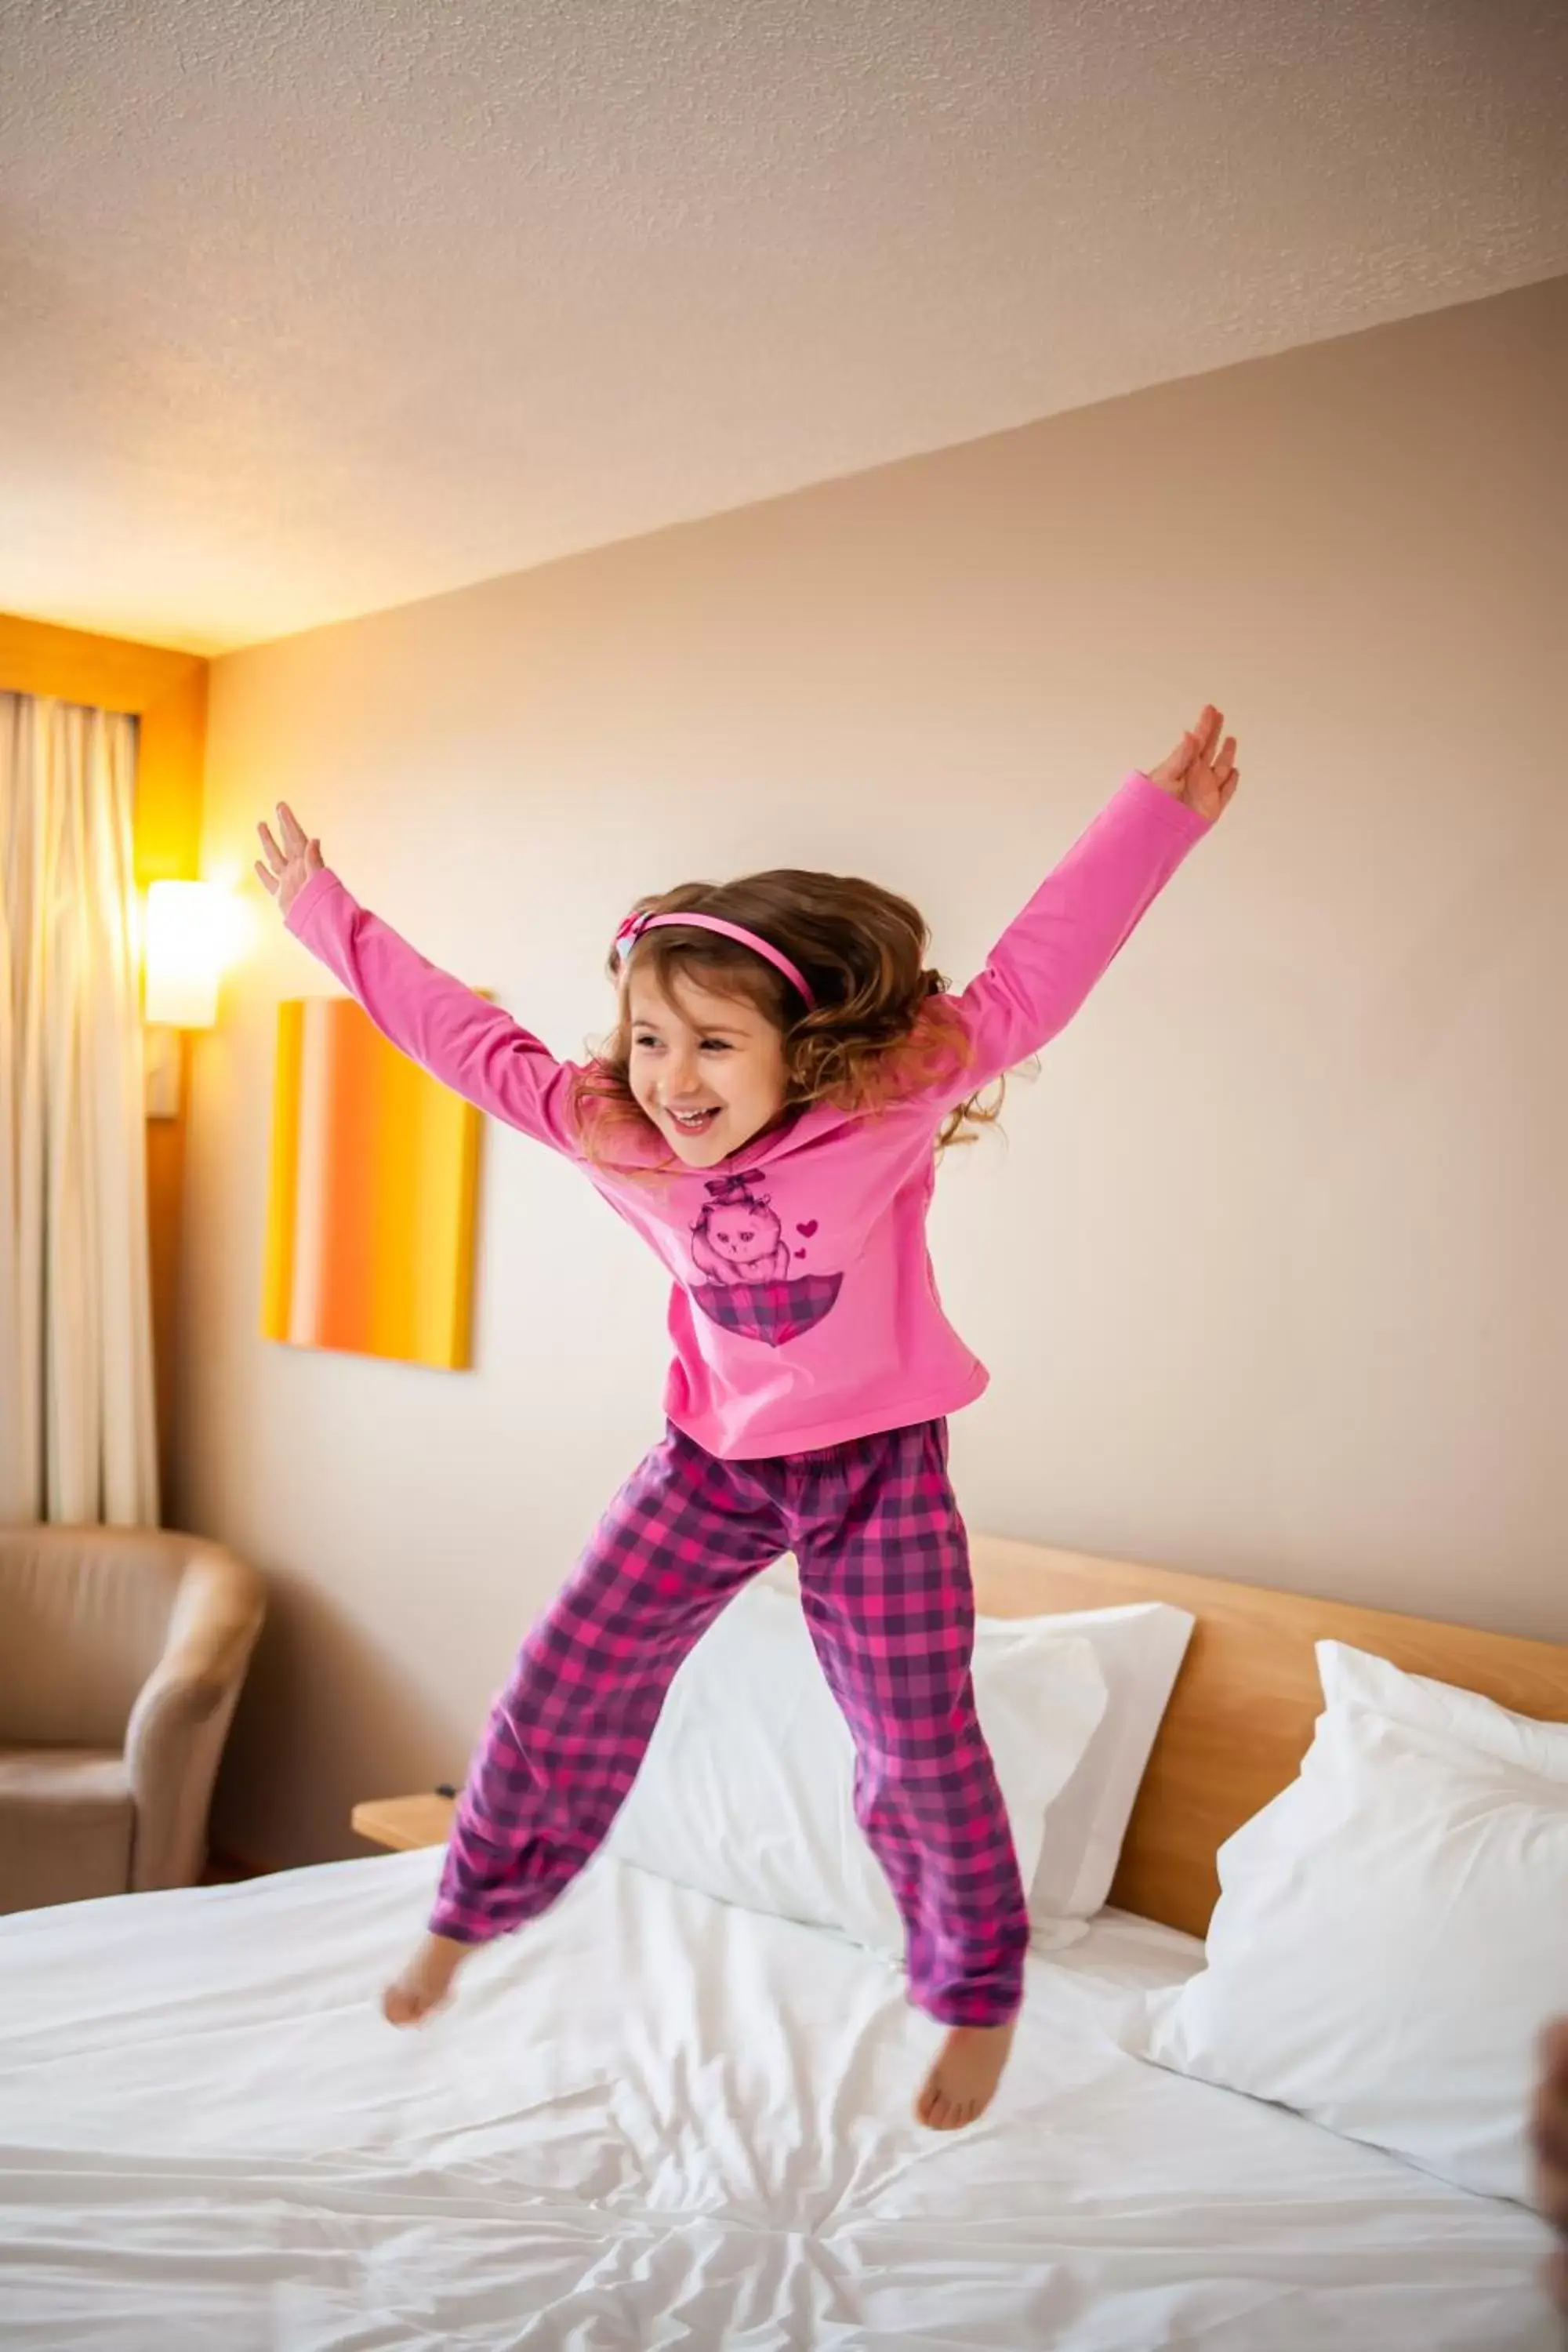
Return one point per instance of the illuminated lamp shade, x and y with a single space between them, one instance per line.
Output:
185 950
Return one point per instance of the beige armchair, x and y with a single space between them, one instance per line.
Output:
121 1655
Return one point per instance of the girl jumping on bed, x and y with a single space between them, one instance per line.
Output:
767 1114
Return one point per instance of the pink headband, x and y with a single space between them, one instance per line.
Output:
634 927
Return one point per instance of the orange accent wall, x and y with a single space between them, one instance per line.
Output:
167 691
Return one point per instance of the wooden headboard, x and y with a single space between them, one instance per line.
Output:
1241 1716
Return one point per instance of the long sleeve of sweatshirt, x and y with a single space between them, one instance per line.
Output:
1050 956
471 1045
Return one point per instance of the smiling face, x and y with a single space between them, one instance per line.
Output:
707 1069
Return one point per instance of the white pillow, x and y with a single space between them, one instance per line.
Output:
1392 1932
1140 1648
746 1792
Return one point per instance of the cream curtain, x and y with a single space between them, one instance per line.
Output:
77 1427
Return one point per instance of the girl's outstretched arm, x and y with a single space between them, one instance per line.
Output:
471 1045
1050 956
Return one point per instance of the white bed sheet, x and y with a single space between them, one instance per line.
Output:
654 2120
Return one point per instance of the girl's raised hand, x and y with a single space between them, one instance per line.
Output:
1195 773
288 869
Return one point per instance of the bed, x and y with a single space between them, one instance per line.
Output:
658 2120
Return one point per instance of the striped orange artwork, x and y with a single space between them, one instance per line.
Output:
369 1217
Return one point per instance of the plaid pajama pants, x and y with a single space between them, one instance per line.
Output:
884 1576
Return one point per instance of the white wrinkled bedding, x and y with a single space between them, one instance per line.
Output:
653 2120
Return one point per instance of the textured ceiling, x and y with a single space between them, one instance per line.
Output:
313 307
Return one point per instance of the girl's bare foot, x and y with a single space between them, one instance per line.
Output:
423 1984
967 2070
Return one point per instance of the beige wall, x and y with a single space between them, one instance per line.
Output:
1270 1270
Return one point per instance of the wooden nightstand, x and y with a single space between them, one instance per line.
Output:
401 1823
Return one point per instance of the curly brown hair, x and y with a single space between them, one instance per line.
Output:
877 1028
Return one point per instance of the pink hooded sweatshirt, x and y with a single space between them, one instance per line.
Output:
803 1310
